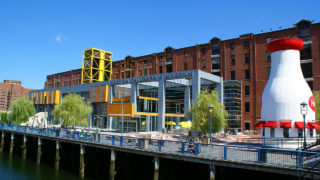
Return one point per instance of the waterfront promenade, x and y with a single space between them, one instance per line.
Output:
290 162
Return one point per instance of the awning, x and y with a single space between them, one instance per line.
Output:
260 124
285 124
271 124
314 125
299 125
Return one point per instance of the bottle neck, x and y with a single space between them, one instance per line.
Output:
286 63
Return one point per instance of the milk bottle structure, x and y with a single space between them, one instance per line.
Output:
285 90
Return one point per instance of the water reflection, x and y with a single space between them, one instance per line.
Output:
15 167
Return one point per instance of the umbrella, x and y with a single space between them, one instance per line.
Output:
170 123
185 124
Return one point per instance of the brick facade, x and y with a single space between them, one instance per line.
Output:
246 56
9 91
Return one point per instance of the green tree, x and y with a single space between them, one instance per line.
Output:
3 117
21 110
201 114
72 111
316 95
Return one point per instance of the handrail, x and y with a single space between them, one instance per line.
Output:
259 155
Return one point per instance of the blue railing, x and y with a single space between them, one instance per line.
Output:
258 155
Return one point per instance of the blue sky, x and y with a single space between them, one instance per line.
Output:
38 38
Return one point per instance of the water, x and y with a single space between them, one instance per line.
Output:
14 167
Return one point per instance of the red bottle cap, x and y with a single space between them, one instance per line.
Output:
284 44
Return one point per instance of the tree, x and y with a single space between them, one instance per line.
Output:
21 110
201 114
316 95
3 117
72 111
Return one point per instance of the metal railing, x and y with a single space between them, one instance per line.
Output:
253 154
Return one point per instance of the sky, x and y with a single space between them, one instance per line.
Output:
39 38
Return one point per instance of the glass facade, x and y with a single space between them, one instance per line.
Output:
232 103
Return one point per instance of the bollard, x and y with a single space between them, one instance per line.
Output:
2 142
156 168
11 143
112 172
212 172
24 147
57 156
39 151
81 162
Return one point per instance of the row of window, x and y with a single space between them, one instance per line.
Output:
246 44
246 74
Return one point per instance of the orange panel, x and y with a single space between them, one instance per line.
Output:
44 97
56 97
90 94
105 94
97 94
118 110
123 99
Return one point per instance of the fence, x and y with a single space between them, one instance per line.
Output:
258 155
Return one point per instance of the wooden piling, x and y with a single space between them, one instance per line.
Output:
112 165
81 162
212 172
11 143
2 141
24 147
156 168
39 151
57 160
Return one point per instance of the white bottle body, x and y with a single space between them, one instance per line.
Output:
286 89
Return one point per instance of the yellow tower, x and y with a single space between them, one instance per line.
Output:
96 66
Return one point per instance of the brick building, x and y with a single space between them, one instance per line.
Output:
9 91
244 58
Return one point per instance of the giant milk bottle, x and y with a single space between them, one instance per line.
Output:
286 88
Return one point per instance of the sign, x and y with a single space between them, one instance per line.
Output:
312 104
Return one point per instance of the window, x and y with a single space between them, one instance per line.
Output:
268 72
247 74
299 133
145 61
233 60
247 58
160 57
311 133
306 52
160 69
122 65
145 71
247 90
132 64
185 65
247 106
203 63
247 125
307 70
232 46
132 75
233 75
246 44
203 51
185 53
268 40
272 132
122 75
285 132
169 68
268 56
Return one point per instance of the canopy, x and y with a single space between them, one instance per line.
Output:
299 125
260 124
185 124
285 124
314 125
170 123
271 124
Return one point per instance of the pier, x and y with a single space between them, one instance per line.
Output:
81 146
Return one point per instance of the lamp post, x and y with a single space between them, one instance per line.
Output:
210 109
304 111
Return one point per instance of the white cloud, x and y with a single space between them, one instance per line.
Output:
60 38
